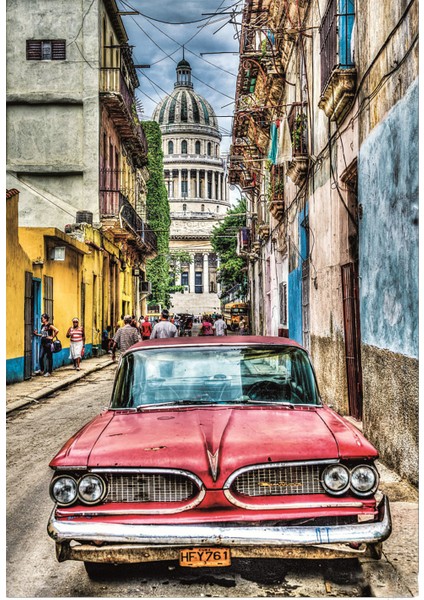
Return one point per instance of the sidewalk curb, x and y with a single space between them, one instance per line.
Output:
51 389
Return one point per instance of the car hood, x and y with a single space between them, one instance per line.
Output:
213 442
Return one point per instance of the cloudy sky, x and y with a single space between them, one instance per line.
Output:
160 31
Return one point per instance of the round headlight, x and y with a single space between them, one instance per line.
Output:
91 489
63 490
335 479
364 480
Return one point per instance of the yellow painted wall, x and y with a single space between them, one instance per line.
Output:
17 262
37 242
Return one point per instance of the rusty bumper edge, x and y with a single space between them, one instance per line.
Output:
127 553
212 535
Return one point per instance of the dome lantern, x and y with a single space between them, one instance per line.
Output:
183 74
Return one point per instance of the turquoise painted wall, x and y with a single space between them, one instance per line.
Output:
295 285
15 366
388 193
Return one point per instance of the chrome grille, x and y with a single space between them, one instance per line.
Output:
279 481
150 487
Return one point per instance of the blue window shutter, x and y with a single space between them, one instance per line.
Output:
346 20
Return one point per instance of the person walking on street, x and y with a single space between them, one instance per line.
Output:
77 339
206 328
242 326
47 333
146 329
126 336
220 326
164 329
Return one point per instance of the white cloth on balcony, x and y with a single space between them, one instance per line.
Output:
285 152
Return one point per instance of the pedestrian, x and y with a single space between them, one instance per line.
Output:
206 328
146 329
47 333
220 326
188 326
242 326
77 341
125 337
134 323
120 323
164 329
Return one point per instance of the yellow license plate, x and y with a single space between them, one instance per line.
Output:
205 557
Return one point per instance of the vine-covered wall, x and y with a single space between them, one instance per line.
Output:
158 216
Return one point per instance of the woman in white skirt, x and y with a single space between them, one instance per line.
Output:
77 337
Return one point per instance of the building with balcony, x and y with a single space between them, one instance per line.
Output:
76 152
196 180
325 150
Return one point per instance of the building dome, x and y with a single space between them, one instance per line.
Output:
185 106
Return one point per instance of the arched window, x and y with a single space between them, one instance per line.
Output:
170 147
184 147
217 209
202 208
209 149
197 147
184 207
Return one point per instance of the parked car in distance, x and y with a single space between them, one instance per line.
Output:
213 449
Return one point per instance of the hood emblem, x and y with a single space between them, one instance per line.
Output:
213 463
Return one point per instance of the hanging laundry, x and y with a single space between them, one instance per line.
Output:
273 148
284 145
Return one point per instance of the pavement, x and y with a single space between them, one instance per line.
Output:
394 576
32 391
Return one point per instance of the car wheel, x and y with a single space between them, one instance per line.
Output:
97 571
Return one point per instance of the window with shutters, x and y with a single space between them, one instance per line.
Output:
48 296
46 49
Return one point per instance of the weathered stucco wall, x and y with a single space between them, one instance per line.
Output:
328 355
388 193
52 116
391 405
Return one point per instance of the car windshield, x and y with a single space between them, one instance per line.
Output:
221 375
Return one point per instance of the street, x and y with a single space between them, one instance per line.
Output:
36 433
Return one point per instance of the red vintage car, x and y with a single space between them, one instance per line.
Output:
211 449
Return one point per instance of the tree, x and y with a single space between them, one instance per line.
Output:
157 269
224 243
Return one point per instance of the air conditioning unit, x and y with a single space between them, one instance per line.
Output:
57 253
146 287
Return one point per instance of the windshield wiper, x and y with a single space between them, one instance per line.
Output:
176 403
248 400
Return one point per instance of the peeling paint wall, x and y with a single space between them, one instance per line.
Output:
388 193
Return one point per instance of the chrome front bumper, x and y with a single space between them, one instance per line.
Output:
123 541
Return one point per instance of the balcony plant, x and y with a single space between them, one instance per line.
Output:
298 133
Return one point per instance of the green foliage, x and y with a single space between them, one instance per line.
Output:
224 243
176 259
157 269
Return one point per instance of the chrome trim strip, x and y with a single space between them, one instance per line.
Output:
291 506
67 530
300 463
157 511
63 468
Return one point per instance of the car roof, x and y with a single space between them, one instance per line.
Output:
228 340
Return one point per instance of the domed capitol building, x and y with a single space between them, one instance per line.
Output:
196 180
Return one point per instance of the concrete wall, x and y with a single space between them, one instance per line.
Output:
52 111
388 193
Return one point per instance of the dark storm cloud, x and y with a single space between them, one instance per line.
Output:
213 74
